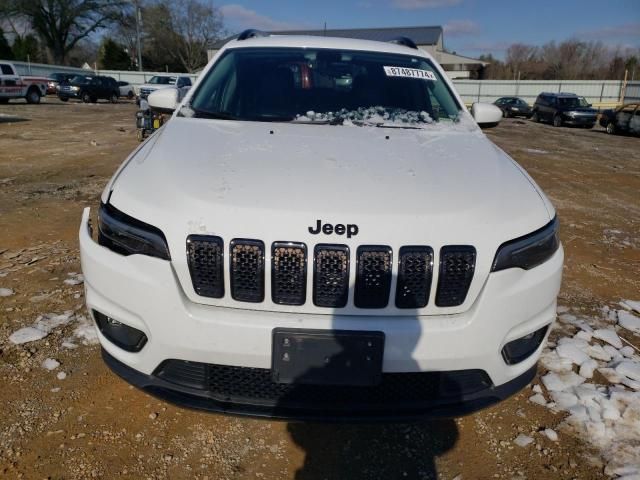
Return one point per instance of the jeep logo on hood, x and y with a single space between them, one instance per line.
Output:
350 229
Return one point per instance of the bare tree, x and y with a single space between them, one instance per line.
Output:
197 25
61 24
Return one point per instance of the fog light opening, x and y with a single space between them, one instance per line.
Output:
522 348
121 335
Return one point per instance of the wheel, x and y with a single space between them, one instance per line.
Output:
86 98
130 95
33 95
506 114
611 128
94 99
557 121
64 99
114 98
4 100
535 117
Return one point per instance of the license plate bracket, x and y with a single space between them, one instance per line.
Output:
327 357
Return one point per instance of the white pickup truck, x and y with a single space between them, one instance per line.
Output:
13 85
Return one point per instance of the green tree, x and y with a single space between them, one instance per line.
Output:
5 50
26 48
112 56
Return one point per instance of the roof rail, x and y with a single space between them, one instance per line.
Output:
406 41
252 33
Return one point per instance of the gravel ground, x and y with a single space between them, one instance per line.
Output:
77 420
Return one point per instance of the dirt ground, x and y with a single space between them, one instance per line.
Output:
55 159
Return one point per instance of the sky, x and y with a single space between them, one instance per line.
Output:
472 27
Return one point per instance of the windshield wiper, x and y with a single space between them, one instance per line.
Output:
215 115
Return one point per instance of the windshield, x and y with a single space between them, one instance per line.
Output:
162 80
573 102
80 79
324 86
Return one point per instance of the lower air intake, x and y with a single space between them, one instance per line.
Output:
457 265
288 273
373 276
205 256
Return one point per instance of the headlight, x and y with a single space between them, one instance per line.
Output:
75 89
127 236
570 114
528 251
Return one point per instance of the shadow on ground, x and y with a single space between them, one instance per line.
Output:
372 451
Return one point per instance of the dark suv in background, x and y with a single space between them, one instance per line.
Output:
90 89
564 108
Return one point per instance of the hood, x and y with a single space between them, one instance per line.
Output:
273 181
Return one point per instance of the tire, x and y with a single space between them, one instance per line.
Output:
506 114
130 95
94 99
4 100
535 117
114 98
557 121
33 96
63 99
611 128
86 98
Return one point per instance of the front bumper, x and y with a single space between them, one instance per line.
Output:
68 94
144 293
580 120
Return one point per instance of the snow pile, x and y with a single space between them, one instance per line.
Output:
6 292
608 416
368 116
629 321
74 279
43 325
523 440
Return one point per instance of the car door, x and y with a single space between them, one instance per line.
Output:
623 117
634 123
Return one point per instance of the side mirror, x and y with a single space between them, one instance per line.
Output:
486 115
164 100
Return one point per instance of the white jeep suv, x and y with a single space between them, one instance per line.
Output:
322 231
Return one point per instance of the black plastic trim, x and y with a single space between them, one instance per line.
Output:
421 299
443 299
235 293
368 297
342 300
202 400
280 300
211 291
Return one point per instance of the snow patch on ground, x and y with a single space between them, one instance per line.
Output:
50 364
84 332
522 440
607 416
74 279
5 292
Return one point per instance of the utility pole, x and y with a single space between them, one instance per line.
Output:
138 24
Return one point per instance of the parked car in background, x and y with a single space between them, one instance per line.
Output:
55 79
564 109
164 81
624 119
90 89
126 89
513 107
13 85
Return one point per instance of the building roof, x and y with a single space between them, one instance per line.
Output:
420 35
